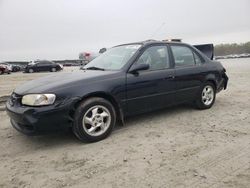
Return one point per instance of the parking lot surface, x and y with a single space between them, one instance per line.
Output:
176 147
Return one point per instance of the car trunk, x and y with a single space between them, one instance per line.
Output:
207 49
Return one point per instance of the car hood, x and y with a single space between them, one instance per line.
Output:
58 81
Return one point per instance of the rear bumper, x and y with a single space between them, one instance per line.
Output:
40 120
223 83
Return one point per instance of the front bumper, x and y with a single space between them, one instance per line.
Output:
40 120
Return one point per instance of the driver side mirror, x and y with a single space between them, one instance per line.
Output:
134 69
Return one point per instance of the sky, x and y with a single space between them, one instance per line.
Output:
61 29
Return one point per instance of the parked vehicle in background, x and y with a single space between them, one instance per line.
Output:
7 65
126 80
83 64
12 67
4 69
16 68
42 65
87 57
245 55
233 56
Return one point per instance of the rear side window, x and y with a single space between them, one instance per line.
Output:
183 56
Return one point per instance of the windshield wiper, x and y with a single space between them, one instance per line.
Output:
94 68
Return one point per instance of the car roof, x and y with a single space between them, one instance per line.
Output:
151 41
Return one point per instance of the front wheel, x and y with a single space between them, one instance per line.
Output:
94 119
206 96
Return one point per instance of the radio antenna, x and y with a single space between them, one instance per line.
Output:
157 30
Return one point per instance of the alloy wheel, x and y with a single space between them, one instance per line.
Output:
96 120
207 95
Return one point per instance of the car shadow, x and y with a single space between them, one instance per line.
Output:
145 117
51 139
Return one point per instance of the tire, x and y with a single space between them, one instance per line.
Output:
30 70
206 97
1 72
53 69
94 120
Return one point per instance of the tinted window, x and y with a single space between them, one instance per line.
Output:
183 56
156 57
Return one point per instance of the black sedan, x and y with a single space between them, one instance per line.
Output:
125 80
40 66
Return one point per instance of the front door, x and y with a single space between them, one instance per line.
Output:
41 66
154 88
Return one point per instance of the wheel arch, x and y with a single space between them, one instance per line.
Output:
108 97
211 78
213 82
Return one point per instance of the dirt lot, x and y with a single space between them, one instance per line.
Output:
177 147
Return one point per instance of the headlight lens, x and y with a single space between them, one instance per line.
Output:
38 99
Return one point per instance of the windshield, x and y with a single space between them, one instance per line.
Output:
113 59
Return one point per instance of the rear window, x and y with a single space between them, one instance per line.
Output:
183 56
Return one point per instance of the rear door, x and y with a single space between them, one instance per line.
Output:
188 72
154 88
38 66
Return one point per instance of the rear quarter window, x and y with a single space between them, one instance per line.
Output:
198 60
185 56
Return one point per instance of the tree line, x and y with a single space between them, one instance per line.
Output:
227 49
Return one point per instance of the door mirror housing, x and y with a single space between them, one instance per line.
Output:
135 68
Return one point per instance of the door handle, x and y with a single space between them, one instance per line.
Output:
169 77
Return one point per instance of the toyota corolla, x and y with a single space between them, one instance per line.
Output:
126 80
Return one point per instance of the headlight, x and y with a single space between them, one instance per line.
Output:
38 99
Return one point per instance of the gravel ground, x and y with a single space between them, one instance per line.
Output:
176 147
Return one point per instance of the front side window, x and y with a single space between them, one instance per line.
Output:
156 57
183 56
114 58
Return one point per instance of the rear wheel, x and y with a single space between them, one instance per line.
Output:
94 119
31 70
206 96
1 72
53 69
